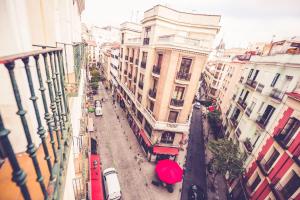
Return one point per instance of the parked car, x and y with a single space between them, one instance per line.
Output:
98 111
112 185
97 103
196 193
197 105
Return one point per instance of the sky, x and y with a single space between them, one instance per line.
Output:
242 22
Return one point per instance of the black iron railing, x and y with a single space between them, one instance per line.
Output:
146 41
177 102
156 69
183 76
277 94
251 83
152 93
57 119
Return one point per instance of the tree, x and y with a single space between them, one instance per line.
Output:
94 85
214 121
227 159
95 73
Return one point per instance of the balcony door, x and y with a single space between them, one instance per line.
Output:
185 65
159 60
290 130
178 93
291 187
267 114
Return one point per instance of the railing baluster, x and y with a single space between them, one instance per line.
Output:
41 131
31 150
47 114
19 176
52 104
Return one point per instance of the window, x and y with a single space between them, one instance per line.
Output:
148 128
122 38
167 137
255 183
178 93
255 75
140 116
147 31
151 105
159 59
185 65
272 159
139 98
141 78
290 129
250 73
144 57
173 116
291 187
275 79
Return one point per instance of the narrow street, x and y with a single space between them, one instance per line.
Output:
195 164
119 148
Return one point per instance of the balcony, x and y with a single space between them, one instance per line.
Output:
134 79
251 83
183 76
242 103
152 93
131 59
156 70
277 94
248 146
125 72
126 57
234 121
141 84
241 79
177 102
248 112
261 122
143 64
146 41
182 42
137 61
260 88
39 173
263 167
129 75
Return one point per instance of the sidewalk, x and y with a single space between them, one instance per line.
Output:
220 184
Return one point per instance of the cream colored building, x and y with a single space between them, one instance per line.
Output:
160 66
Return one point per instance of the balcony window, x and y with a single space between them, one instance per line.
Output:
178 93
185 65
122 38
140 116
173 116
144 59
250 73
148 128
167 137
291 187
288 131
139 98
268 164
147 35
255 183
151 106
264 119
275 79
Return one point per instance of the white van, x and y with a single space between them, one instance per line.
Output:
112 185
98 111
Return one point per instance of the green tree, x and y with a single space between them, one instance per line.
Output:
94 85
227 159
95 74
214 121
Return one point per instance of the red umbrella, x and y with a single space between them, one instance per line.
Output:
168 171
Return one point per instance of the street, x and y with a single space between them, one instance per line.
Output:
119 148
195 164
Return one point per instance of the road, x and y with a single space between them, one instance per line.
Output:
195 164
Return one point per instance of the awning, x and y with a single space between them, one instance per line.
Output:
145 138
165 150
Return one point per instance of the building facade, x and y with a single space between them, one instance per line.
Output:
160 61
264 120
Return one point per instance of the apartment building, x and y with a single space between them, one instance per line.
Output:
264 120
160 65
92 55
40 49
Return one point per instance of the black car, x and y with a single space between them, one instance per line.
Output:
196 193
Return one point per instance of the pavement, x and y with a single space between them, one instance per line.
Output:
118 148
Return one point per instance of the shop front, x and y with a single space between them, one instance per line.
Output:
145 143
162 152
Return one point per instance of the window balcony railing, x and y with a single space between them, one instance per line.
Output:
152 93
248 146
234 121
242 103
261 122
264 168
141 84
50 179
251 83
183 76
143 64
131 59
283 140
137 61
177 102
156 69
260 88
146 41
276 94
126 57
248 112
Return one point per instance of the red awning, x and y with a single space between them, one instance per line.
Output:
145 138
165 150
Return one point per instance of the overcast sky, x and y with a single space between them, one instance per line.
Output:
242 21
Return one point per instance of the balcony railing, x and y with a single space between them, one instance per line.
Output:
248 112
177 102
234 122
260 88
126 57
131 59
263 167
183 76
276 94
248 146
156 69
262 122
146 41
251 83
242 103
137 61
143 64
283 140
241 79
152 93
141 84
125 72
280 192
34 64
